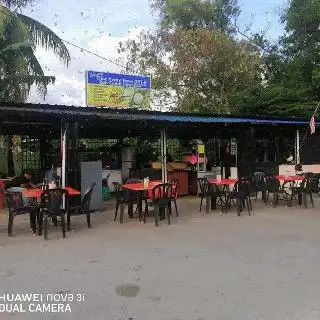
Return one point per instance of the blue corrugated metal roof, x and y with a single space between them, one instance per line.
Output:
198 119
144 115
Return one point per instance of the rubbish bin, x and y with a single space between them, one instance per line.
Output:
105 193
105 189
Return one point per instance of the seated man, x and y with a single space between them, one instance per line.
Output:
19 183
23 181
50 174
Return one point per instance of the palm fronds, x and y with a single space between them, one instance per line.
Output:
46 38
16 46
19 67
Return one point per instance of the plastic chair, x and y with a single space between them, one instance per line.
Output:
84 208
174 194
259 184
300 193
210 190
161 198
279 192
204 190
316 183
124 197
240 195
17 207
51 202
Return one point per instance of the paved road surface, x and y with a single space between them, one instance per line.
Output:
202 267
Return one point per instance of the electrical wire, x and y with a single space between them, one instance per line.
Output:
94 54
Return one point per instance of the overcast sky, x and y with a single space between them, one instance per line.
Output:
99 25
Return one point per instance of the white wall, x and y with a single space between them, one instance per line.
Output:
289 169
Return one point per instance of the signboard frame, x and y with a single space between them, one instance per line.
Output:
122 90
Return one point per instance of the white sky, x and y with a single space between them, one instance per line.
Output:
99 25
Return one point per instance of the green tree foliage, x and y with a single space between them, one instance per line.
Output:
292 69
19 66
194 14
301 43
199 62
196 63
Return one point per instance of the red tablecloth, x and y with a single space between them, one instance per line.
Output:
36 193
222 181
141 186
72 192
32 193
290 178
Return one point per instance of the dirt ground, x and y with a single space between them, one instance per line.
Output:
202 267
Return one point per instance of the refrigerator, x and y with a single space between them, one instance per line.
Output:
91 172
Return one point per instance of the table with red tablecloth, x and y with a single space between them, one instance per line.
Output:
289 178
37 192
224 182
139 188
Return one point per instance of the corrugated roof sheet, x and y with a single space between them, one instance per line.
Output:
145 115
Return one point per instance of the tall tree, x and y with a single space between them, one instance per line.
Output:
196 63
292 70
19 67
302 19
215 15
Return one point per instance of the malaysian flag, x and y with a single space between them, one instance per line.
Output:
312 125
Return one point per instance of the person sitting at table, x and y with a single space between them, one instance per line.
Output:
21 182
51 176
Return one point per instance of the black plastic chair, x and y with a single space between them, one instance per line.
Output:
174 194
299 193
51 202
83 208
279 192
316 184
240 195
161 198
259 184
124 197
212 191
204 190
17 207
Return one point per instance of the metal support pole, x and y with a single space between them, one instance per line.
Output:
164 155
64 146
74 178
297 147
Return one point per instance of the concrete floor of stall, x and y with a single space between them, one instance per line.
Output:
201 267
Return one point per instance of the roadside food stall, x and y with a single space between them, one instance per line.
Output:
255 146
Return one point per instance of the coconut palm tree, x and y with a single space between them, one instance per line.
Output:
18 63
13 84
19 67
